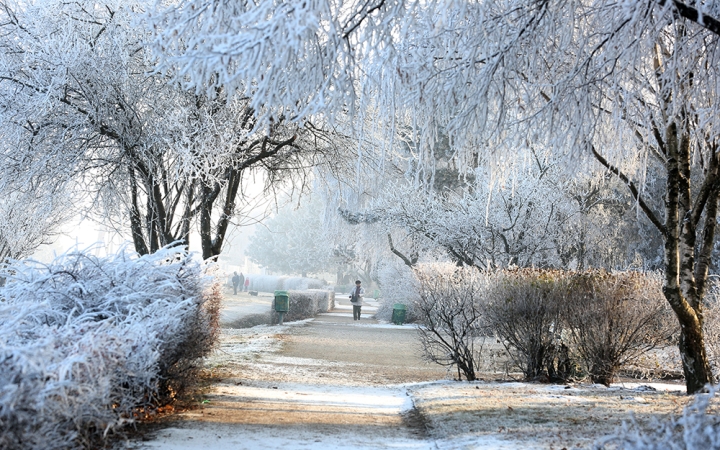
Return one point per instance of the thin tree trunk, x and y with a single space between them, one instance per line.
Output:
136 227
208 198
685 275
680 284
151 223
228 209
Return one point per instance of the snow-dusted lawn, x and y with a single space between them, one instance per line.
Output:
268 399
537 415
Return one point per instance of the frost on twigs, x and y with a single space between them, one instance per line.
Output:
87 340
450 310
697 428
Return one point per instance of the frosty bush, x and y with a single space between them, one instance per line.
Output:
614 318
697 429
87 340
523 309
252 320
305 304
399 285
325 299
271 283
605 319
449 308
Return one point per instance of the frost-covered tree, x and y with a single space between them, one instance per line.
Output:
77 83
534 217
30 218
294 241
631 84
76 95
36 197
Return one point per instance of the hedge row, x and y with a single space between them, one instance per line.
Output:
272 283
553 324
86 341
556 323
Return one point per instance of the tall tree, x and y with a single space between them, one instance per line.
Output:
156 159
294 241
621 82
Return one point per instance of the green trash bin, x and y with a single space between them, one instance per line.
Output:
398 315
282 304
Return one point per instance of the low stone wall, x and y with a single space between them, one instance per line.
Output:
306 304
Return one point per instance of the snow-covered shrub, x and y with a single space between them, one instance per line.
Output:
251 320
450 309
325 299
547 319
613 318
696 429
523 309
272 283
86 340
302 283
399 285
305 304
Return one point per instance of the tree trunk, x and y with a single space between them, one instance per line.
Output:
209 193
695 361
686 259
135 220
680 278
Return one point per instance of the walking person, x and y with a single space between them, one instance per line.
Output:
247 283
356 297
236 282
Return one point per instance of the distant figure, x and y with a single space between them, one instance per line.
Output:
242 281
247 283
356 297
236 282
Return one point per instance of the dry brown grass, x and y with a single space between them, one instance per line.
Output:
541 416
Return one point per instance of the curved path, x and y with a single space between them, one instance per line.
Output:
329 382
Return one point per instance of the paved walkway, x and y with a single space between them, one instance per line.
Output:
329 382
235 307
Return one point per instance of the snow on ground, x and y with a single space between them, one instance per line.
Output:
293 416
537 415
330 382
226 437
260 339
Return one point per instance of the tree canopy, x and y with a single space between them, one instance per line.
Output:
160 114
632 85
